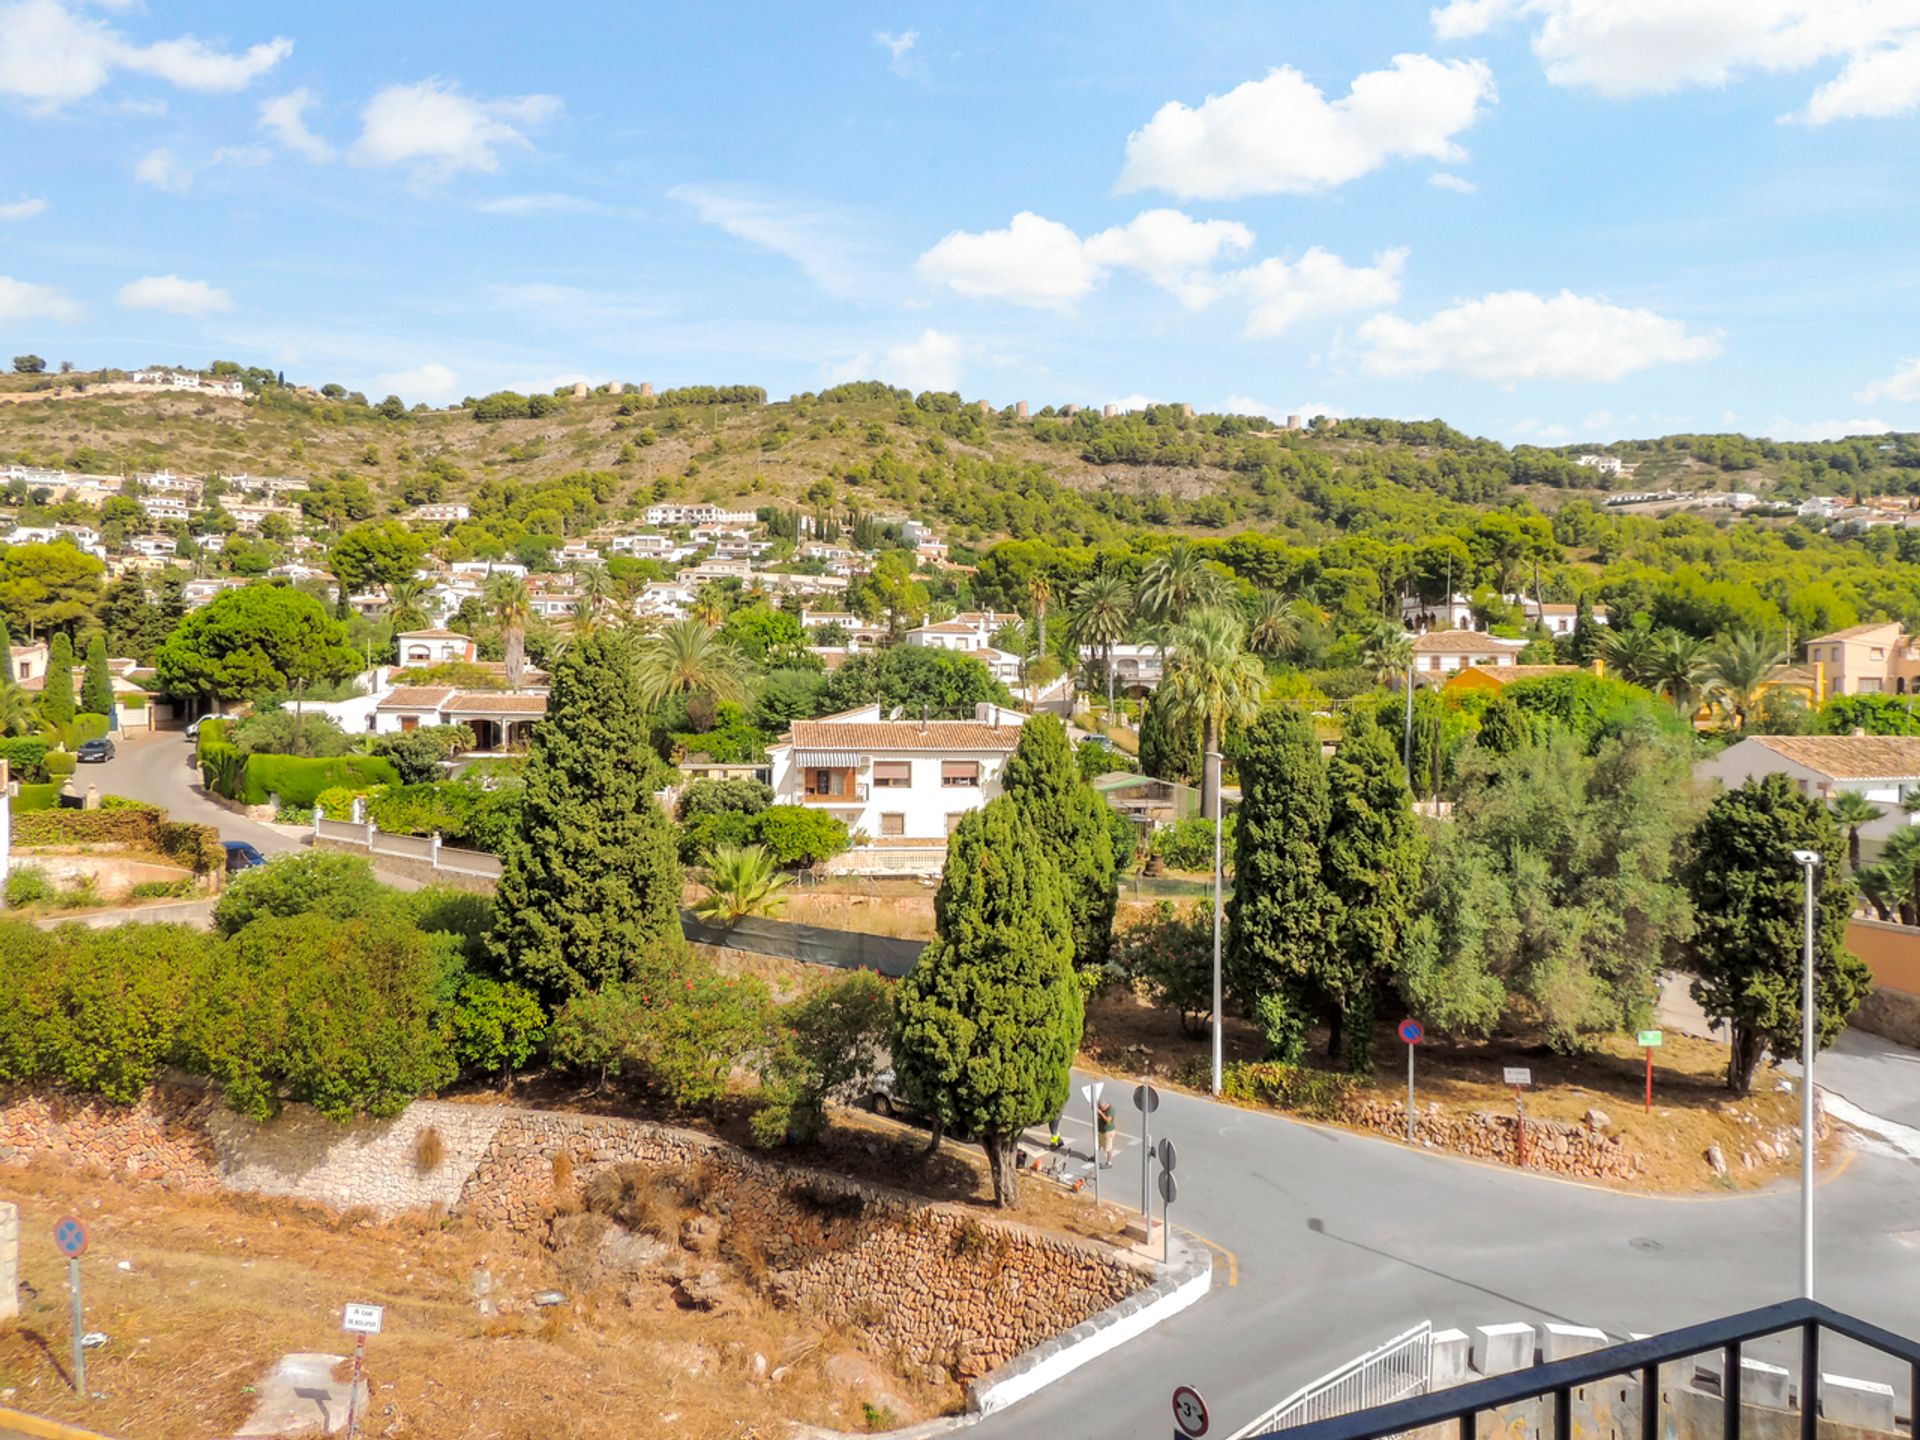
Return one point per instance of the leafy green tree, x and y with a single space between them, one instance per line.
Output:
418 754
1280 913
509 604
1169 743
280 732
1738 668
1851 811
56 698
1171 954
6 655
1102 615
496 1027
258 640
1178 582
382 554
1371 867
48 587
912 678
29 365
987 1023
590 887
831 1046
798 835
96 685
1504 726
1070 819
1749 906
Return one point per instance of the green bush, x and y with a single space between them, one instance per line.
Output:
496 1026
138 827
314 883
286 732
299 781
683 1044
704 834
1188 845
1316 1094
132 700
797 835
59 764
23 754
161 889
35 797
221 763
84 727
336 801
828 1048
417 754
28 885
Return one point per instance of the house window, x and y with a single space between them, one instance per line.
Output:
953 820
893 774
893 825
959 773
828 784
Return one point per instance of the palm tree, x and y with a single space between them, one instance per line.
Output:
1211 681
510 602
19 713
710 606
1176 582
595 587
407 605
1102 613
1273 627
1676 667
688 657
1901 860
1880 888
741 881
1388 652
1851 810
1631 653
1039 591
1737 668
583 616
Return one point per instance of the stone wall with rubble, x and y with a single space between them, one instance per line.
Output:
1585 1152
925 1280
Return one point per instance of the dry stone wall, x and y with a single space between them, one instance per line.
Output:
1579 1151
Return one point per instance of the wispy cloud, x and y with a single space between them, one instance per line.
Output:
524 205
23 209
822 243
899 50
52 55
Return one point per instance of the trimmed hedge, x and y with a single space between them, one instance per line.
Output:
140 827
23 754
84 727
36 797
59 764
299 781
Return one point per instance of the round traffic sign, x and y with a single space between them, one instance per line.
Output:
1169 1186
1168 1157
1146 1098
1412 1031
1190 1412
70 1237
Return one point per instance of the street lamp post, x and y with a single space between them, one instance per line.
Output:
1214 760
1809 861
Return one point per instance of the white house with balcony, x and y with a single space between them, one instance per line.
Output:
900 785
434 647
1135 667
686 515
1442 652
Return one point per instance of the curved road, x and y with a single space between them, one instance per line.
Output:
156 767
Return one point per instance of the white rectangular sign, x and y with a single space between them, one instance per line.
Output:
363 1319
1518 1075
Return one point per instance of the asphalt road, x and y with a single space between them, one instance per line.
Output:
155 767
1341 1241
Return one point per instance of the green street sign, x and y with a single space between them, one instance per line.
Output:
1650 1040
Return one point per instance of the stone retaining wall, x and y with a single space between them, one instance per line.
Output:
1579 1151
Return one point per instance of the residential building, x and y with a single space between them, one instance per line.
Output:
679 515
899 784
154 547
577 552
1420 616
499 719
484 569
1498 677
1136 668
1883 768
649 547
1877 658
165 482
434 647
196 593
164 507
231 389
440 514
1556 618
1605 464
29 661
706 570
1441 652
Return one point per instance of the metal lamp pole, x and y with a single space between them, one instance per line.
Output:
1214 759
1809 861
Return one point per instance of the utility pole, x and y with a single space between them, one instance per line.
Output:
1809 862
1213 759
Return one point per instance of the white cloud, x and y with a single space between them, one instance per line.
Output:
522 205
1135 401
1042 263
174 296
1540 432
1281 135
1306 410
1597 421
821 243
50 56
431 384
1515 335
439 131
1782 429
547 384
23 209
1280 293
899 48
1623 48
1902 386
934 361
164 170
23 300
1459 184
284 117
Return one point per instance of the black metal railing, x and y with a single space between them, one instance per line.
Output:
1642 1359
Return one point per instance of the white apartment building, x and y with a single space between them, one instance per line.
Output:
898 783
1441 652
649 547
1605 464
483 568
678 515
434 647
165 482
154 547
578 552
439 514
188 380
706 570
1135 667
196 593
164 507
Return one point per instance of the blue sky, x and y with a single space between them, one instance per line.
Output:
1553 220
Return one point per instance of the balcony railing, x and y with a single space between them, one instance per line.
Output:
854 795
1638 1361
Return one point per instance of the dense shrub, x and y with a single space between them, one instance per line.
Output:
28 885
23 754
1317 1094
461 814
495 1026
59 764
1188 845
1170 955
797 835
36 797
137 826
84 727
220 761
704 834
313 882
289 732
417 754
683 1044
829 1045
719 812
299 781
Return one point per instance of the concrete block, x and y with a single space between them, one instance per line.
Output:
1863 1403
1501 1349
9 1261
1448 1358
1763 1384
1563 1342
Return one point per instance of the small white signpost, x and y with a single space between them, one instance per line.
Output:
1519 1077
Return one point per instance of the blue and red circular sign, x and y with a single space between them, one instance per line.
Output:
70 1237
1412 1031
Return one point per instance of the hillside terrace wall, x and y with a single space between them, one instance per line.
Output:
1552 1145
929 1280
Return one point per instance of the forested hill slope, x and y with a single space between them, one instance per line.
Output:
980 477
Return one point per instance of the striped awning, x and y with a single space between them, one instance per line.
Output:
835 758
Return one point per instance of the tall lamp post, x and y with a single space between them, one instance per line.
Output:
1808 861
1214 760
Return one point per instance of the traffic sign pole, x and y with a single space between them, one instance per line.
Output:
1411 1031
1519 1077
1189 1414
79 1350
1650 1041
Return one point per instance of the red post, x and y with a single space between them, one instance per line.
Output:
353 1387
1649 1080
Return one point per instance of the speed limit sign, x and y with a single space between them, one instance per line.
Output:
1190 1412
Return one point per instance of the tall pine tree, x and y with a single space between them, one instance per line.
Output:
96 685
1280 915
590 886
1372 867
986 1025
1070 819
56 701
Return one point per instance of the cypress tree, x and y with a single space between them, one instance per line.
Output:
590 886
6 653
986 1025
1168 749
1061 807
1504 726
96 685
56 700
1280 914
1372 867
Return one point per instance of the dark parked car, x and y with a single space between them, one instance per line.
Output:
97 751
242 856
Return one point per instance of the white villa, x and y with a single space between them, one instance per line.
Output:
1441 652
902 784
1135 667
681 515
434 647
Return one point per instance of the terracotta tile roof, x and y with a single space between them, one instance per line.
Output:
1464 642
944 627
902 735
1849 757
1859 632
1508 674
498 702
432 635
416 697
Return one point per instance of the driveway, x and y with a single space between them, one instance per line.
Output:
155 768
